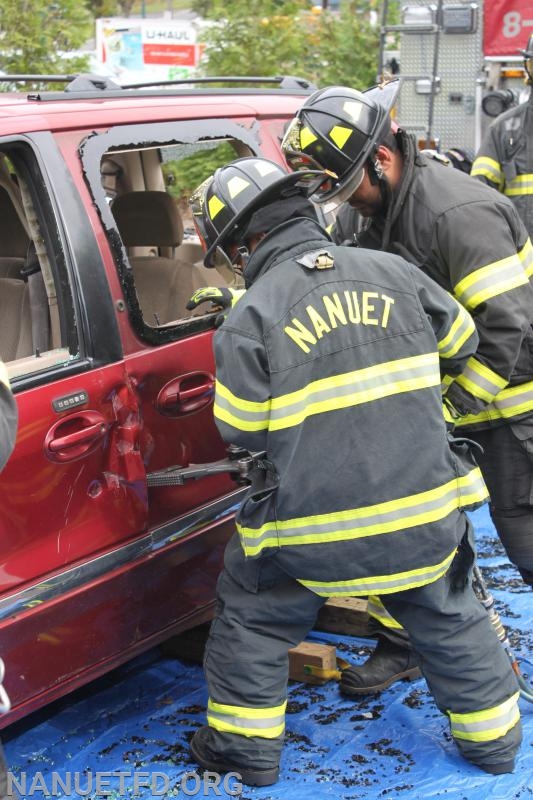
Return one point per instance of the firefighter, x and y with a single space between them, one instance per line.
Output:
329 367
8 428
505 158
470 240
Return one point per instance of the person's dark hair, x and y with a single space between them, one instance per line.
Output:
389 141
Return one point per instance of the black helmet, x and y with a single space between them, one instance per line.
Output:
223 204
528 59
337 129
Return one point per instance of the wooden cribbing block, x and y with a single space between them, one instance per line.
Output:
344 615
321 656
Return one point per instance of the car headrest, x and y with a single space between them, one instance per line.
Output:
147 219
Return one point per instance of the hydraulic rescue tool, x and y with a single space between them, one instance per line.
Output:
486 598
240 464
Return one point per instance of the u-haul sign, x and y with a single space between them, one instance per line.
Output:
143 49
173 43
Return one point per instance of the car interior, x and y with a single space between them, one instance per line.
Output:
151 213
157 234
30 326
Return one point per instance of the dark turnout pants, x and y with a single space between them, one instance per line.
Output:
507 466
263 612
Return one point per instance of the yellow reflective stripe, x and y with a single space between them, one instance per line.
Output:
245 415
490 281
377 610
4 377
526 257
481 381
447 413
488 168
268 723
447 380
355 388
520 185
392 516
328 394
384 584
509 403
462 329
487 725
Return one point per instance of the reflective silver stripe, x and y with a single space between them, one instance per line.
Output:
481 381
359 386
245 722
381 584
510 402
269 723
486 725
389 517
377 610
521 185
240 413
487 168
490 281
526 257
462 328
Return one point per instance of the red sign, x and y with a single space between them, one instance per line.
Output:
182 54
508 26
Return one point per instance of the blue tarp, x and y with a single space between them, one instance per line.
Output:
136 723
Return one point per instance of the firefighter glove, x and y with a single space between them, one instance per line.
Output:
221 299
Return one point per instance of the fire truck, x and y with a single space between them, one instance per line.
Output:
459 65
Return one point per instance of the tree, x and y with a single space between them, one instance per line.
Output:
103 8
269 37
35 36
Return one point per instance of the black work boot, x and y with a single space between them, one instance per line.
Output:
208 759
387 664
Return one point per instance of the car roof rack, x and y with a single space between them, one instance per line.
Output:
88 86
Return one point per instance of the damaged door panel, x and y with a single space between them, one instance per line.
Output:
120 494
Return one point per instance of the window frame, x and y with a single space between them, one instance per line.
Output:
140 136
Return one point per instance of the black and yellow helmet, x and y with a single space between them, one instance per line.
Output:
223 204
337 129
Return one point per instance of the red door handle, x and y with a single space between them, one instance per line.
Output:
186 394
75 436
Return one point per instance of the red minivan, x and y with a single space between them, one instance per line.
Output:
109 541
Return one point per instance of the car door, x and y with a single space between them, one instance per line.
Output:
75 486
173 369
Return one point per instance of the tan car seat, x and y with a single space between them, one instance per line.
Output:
163 282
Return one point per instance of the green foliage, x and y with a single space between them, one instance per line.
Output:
103 8
255 37
265 37
34 37
348 47
183 176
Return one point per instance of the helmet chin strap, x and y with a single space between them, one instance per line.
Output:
377 178
241 257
